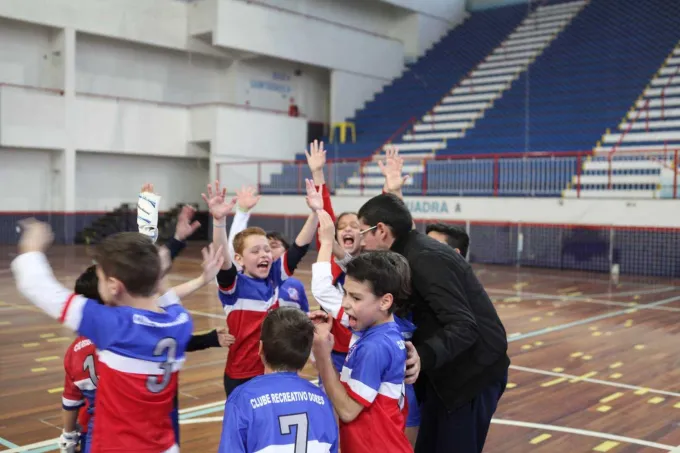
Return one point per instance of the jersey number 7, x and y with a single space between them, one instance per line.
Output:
301 422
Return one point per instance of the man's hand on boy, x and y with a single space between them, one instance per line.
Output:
35 236
412 364
224 337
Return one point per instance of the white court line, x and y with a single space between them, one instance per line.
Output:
582 432
665 289
593 381
585 299
201 420
208 315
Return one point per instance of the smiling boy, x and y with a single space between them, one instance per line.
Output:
369 394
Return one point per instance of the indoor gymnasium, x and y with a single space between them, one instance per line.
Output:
537 141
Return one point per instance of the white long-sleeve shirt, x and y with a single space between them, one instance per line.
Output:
238 224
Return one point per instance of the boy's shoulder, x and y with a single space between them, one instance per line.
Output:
387 338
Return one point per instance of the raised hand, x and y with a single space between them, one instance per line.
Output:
247 198
185 227
212 262
392 169
35 236
216 199
323 338
316 156
147 187
314 197
326 228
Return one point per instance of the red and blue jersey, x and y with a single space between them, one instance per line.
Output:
278 413
246 301
140 355
80 375
292 294
373 375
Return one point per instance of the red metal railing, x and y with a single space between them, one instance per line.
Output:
535 173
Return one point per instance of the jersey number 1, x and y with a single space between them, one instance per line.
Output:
165 346
301 422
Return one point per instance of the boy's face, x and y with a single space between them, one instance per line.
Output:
347 233
440 237
362 306
256 259
277 248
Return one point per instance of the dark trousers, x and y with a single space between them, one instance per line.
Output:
230 384
463 430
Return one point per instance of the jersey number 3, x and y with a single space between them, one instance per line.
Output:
167 347
301 422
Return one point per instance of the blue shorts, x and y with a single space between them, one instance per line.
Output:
413 417
338 359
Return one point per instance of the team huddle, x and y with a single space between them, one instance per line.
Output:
121 372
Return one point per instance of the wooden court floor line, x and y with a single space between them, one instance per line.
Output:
589 320
584 299
593 381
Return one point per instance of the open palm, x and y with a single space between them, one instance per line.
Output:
216 199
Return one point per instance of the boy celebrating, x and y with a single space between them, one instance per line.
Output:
141 338
249 295
280 411
369 395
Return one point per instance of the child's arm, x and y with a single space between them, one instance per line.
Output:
212 263
326 294
219 208
148 204
392 170
246 200
347 408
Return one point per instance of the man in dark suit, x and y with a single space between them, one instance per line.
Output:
459 337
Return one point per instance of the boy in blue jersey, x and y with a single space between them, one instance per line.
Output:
369 394
280 411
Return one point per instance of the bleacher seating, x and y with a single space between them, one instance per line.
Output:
550 77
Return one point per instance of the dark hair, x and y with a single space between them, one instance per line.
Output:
346 213
456 237
240 238
386 272
287 336
87 284
131 258
390 210
276 236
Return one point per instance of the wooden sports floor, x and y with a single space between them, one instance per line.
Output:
595 365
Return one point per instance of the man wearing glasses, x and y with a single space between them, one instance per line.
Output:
459 337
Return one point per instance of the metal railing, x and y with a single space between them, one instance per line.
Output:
537 174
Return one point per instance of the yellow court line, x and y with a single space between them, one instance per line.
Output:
38 370
553 382
615 365
677 405
575 354
558 369
604 408
656 400
538 343
55 390
567 290
575 294
510 385
597 334
58 339
535 319
5 323
639 347
30 345
606 446
628 323
526 347
47 359
585 376
587 357
615 375
611 397
641 392
46 335
539 439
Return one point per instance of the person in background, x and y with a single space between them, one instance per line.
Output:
459 337
453 236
